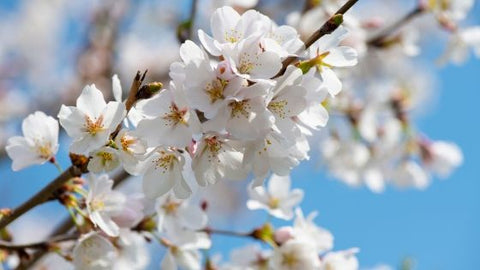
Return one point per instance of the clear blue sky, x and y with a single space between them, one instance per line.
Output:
438 227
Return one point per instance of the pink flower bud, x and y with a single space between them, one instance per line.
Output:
283 234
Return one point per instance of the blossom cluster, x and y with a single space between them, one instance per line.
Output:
235 108
229 110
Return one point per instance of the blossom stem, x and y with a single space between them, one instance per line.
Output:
57 165
42 196
379 39
38 245
328 27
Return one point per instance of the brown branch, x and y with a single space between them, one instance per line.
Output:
42 196
379 39
38 245
327 28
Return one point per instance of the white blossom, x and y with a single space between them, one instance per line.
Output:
93 252
38 144
91 121
278 199
103 203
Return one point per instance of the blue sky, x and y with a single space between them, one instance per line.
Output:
439 227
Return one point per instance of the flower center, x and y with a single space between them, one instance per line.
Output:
213 145
105 156
126 141
246 65
165 161
239 108
274 202
176 116
97 205
289 260
232 36
93 127
44 150
215 89
278 107
171 207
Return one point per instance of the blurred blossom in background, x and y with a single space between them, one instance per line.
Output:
50 49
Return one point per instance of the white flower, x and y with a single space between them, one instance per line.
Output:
450 9
170 121
207 87
131 150
93 252
103 203
183 246
38 144
345 159
132 251
460 44
294 255
307 231
250 257
217 158
248 60
164 173
91 121
104 159
172 213
340 260
410 174
326 54
245 115
278 200
132 212
229 28
275 153
52 261
442 157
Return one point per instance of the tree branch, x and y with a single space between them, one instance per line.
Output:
380 38
38 245
42 196
328 27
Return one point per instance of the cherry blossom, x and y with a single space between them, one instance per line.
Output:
39 143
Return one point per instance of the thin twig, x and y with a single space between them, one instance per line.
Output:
229 233
327 28
38 245
42 196
380 38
